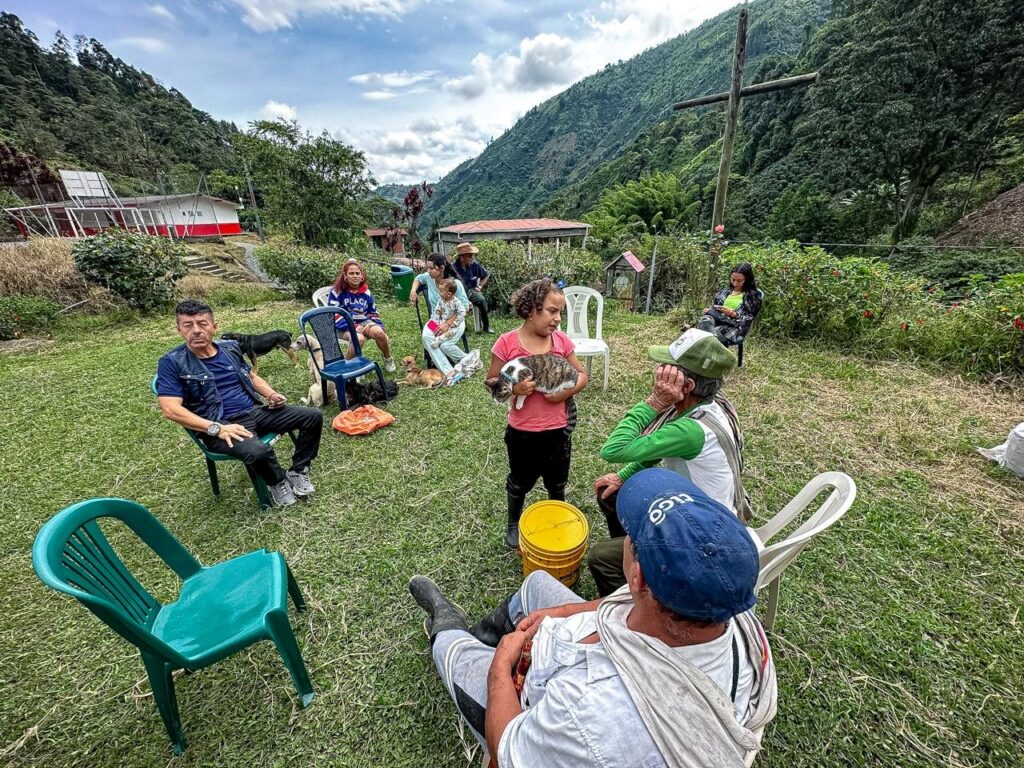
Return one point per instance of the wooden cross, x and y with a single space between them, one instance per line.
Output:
733 96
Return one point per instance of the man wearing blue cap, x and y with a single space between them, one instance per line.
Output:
673 669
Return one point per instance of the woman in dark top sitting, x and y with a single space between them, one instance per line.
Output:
735 307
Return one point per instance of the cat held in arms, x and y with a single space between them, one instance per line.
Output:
551 373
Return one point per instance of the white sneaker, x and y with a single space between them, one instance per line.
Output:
389 364
282 494
301 485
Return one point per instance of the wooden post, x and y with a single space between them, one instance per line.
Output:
738 59
252 200
728 138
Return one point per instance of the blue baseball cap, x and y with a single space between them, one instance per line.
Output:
696 556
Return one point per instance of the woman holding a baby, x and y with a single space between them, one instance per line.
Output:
448 303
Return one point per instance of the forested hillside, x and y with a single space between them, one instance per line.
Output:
78 105
917 119
572 134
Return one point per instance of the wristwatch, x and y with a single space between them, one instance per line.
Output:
213 430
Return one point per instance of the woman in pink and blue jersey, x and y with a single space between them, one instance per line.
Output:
351 293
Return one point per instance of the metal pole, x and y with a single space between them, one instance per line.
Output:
650 279
252 201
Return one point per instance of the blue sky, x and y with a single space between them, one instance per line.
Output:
418 85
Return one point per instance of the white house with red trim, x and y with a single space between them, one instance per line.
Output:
187 215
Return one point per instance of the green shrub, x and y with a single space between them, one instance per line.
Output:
140 269
510 267
302 269
861 304
22 314
680 271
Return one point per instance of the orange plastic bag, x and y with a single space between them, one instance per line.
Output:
362 420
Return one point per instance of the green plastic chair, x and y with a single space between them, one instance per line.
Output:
220 609
258 484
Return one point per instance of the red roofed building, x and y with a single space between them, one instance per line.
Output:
528 231
378 236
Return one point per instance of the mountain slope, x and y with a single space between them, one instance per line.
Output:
86 107
562 140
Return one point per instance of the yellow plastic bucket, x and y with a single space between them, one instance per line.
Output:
553 537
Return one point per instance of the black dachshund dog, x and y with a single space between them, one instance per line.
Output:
255 344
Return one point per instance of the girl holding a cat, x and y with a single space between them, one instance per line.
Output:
536 364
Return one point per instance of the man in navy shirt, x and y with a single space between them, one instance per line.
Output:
474 277
208 388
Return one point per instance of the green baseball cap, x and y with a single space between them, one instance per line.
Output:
696 351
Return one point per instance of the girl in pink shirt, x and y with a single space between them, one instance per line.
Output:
539 444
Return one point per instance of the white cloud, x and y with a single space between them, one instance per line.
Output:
379 95
401 79
161 11
276 110
268 15
147 44
477 81
544 60
618 29
427 149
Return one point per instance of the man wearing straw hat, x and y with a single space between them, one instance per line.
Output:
673 669
684 425
474 277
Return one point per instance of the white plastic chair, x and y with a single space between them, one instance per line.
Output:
320 296
477 320
775 558
577 304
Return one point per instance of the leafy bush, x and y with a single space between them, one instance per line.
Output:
304 269
953 268
140 269
510 267
680 271
22 314
862 304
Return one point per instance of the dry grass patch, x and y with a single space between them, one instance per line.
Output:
43 266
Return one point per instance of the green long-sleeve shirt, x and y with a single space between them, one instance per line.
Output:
681 437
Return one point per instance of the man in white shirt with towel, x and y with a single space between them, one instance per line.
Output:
673 669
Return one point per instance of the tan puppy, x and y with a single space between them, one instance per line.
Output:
430 377
316 395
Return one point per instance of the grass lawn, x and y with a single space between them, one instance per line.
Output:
899 641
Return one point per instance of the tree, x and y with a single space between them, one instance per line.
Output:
407 217
314 187
655 203
913 89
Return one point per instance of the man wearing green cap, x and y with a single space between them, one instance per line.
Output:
680 426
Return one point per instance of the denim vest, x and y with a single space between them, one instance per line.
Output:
201 396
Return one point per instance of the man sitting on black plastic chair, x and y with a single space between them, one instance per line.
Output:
207 387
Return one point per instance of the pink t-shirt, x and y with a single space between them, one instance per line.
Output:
537 414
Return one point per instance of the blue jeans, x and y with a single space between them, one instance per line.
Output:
449 352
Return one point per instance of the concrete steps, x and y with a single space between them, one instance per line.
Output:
199 264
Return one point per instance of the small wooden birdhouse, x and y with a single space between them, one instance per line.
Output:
622 279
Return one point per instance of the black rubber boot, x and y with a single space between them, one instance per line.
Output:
442 613
515 511
557 493
494 626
